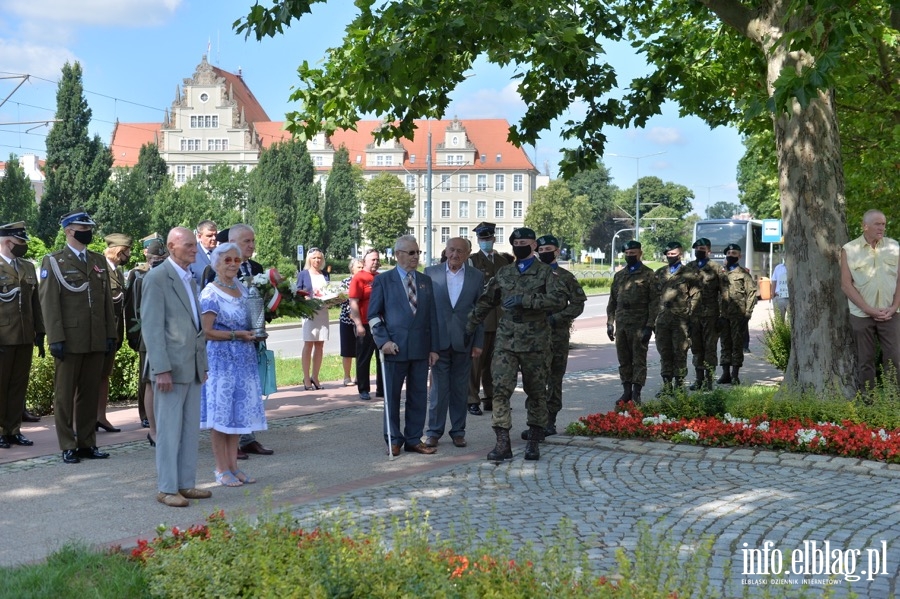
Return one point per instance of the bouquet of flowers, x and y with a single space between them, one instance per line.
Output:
332 294
282 297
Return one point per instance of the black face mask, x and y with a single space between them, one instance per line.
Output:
731 260
521 251
700 255
673 260
547 257
631 260
19 250
83 237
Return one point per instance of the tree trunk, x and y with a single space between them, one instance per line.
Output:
812 207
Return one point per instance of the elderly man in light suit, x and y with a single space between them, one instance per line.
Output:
206 243
456 290
176 353
404 325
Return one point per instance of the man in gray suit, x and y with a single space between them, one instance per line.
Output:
176 353
403 319
206 243
456 290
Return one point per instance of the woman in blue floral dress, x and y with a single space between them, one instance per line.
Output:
231 402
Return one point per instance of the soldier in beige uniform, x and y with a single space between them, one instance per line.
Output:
488 262
21 326
118 253
81 329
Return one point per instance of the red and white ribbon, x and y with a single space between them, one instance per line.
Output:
274 279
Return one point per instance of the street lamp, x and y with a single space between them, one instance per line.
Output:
612 249
709 189
637 187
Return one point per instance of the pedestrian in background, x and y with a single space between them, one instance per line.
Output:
347 327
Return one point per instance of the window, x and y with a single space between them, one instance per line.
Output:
445 182
498 233
190 145
204 97
379 160
389 160
464 232
464 208
517 182
319 161
499 182
180 173
410 182
464 183
517 209
216 145
482 183
445 209
481 209
455 159
499 209
445 234
205 121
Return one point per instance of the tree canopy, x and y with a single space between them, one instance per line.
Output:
388 206
557 211
17 195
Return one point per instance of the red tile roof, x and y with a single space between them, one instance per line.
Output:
127 139
253 111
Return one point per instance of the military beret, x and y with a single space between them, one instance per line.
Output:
157 248
222 236
673 245
732 246
702 241
522 233
485 230
548 240
631 245
16 230
77 217
117 239
145 241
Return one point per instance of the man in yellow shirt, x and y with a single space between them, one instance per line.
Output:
869 279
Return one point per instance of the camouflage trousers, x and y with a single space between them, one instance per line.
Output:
557 362
673 343
704 338
506 366
733 342
481 375
632 355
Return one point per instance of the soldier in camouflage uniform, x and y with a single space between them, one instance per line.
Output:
704 323
630 317
560 327
738 301
117 252
673 340
527 290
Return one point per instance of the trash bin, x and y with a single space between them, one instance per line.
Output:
765 288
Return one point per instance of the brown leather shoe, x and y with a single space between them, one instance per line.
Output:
459 442
395 450
257 448
29 417
195 493
172 499
431 441
241 455
421 448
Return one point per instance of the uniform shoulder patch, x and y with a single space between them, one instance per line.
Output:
43 273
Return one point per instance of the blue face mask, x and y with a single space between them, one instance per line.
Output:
486 246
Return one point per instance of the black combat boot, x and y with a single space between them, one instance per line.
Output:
550 430
626 396
735 375
666 386
708 379
502 450
678 384
726 375
636 393
698 384
488 404
532 448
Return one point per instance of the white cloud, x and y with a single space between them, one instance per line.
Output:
665 136
490 104
133 13
33 59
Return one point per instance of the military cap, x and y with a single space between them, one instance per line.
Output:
222 236
702 241
732 246
548 240
157 248
522 233
673 245
485 230
145 241
77 217
117 240
631 245
16 230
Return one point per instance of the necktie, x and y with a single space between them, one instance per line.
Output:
15 264
189 281
411 292
82 257
245 269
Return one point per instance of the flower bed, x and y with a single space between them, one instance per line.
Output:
847 439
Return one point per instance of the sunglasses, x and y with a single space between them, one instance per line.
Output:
230 260
410 252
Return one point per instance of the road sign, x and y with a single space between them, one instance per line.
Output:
771 231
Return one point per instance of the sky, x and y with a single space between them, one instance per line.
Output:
136 53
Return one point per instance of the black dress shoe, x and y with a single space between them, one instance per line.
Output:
29 417
109 429
145 423
4 444
257 448
151 441
92 453
70 456
18 439
475 410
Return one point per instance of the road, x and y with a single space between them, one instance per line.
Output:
285 340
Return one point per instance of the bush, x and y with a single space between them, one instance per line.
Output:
777 341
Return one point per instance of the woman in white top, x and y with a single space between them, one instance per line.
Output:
312 280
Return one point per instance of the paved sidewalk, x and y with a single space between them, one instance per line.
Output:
330 453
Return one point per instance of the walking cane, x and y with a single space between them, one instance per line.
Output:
387 417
